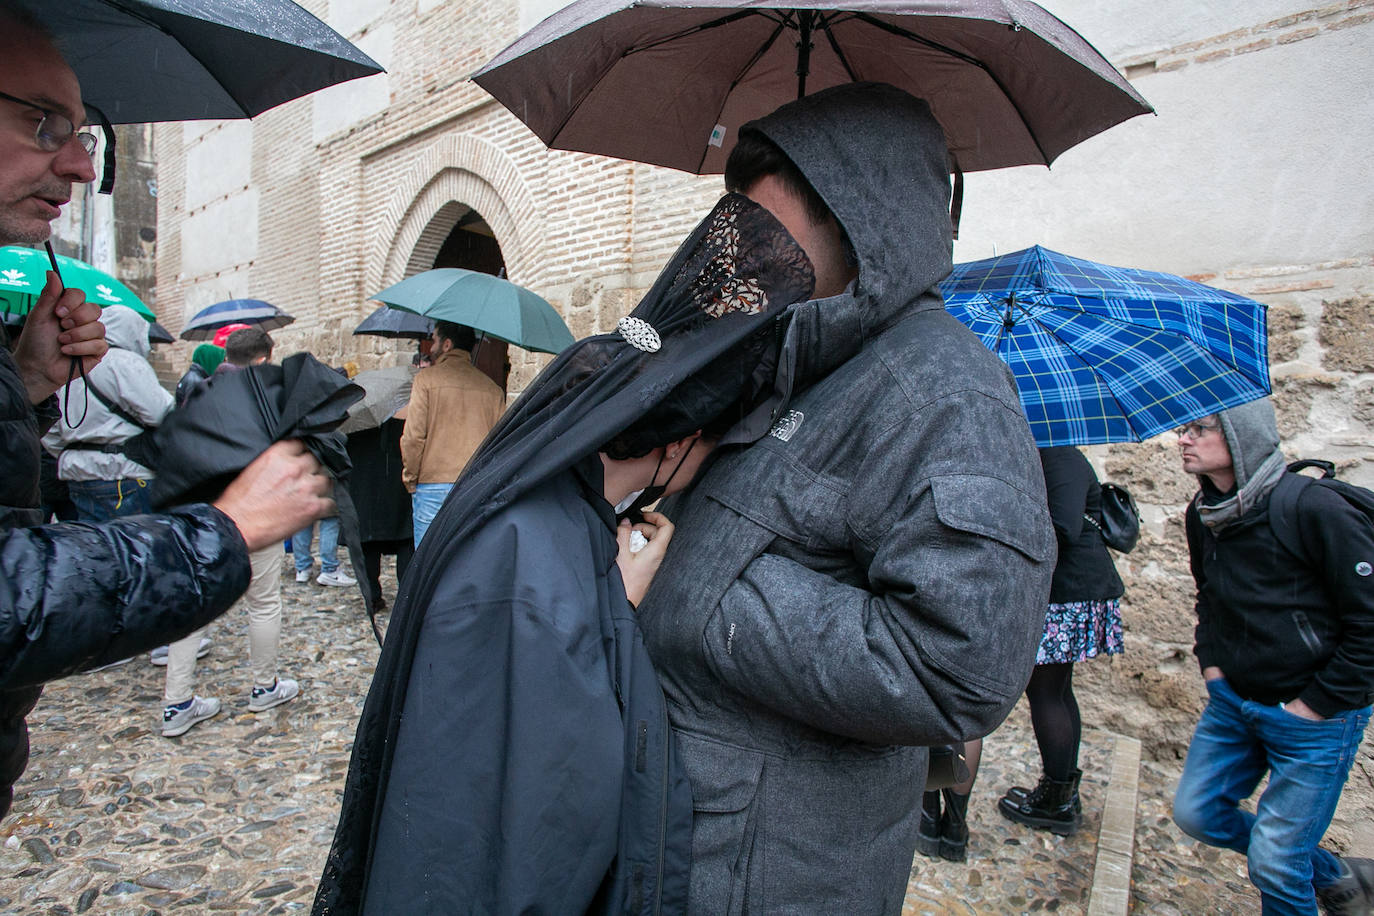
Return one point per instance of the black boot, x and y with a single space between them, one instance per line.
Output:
928 836
954 827
1049 806
1017 793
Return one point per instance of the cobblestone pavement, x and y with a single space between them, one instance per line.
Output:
236 815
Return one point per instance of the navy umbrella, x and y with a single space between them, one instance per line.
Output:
1111 354
186 60
210 319
390 322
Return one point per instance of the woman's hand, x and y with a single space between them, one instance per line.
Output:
638 568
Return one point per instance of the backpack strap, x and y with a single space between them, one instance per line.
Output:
114 408
1283 511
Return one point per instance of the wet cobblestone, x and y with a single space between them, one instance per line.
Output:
236 816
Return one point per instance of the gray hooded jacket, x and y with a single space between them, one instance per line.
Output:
125 377
872 576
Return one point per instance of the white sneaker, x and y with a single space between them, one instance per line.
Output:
159 655
177 721
338 578
282 691
303 575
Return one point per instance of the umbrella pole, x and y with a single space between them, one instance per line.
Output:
803 49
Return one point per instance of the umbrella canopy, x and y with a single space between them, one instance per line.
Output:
390 322
670 82
157 334
1111 354
23 271
385 391
207 321
494 306
184 60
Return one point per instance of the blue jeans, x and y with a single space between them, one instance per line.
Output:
424 505
329 546
1235 743
102 500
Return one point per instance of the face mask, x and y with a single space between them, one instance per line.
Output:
652 493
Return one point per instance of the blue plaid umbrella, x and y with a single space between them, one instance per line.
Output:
1111 354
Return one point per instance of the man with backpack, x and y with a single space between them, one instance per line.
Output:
1285 640
116 401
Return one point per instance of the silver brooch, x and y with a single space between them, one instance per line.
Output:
639 334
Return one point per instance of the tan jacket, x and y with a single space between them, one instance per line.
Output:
452 407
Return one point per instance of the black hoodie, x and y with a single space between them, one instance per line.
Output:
1280 626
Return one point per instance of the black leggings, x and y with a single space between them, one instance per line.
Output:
372 560
1054 715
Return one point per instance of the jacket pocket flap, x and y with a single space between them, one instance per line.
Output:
724 778
993 508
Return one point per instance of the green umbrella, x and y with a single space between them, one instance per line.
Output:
496 307
23 271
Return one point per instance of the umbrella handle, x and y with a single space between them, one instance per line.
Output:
75 368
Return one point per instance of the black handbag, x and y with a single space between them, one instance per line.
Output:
1120 523
947 767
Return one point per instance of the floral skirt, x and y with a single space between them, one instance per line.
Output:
1080 630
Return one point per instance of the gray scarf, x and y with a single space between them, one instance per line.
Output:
1229 510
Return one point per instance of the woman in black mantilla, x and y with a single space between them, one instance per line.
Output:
514 754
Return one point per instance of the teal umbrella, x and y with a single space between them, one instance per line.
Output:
496 307
23 271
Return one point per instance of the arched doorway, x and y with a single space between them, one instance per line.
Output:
470 244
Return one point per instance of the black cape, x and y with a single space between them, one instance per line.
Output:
715 312
530 762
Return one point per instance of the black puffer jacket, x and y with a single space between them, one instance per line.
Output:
75 596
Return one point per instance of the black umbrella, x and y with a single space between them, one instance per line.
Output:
157 334
390 322
201 447
387 391
187 60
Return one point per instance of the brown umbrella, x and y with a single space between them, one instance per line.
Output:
670 81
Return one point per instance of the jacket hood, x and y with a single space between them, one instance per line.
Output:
207 357
878 158
1252 435
126 329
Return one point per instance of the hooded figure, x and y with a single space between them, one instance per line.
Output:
871 577
1284 567
205 359
119 399
513 755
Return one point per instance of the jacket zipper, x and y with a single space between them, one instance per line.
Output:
1309 636
662 805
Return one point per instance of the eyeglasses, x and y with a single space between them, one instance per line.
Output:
55 129
1196 430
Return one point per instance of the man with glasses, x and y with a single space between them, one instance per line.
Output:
453 405
77 596
1286 647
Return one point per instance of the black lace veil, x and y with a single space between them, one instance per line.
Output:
705 341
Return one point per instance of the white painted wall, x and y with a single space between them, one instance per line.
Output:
1255 159
1126 28
221 237
340 107
218 161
